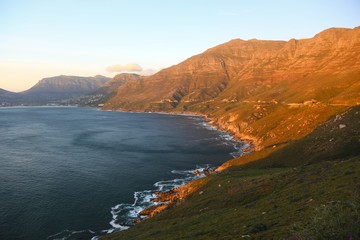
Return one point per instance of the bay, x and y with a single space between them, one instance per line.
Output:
63 169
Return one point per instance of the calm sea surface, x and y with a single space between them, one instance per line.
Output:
64 169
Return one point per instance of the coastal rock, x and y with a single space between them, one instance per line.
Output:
168 198
206 171
165 196
153 210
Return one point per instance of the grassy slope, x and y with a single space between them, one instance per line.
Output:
270 197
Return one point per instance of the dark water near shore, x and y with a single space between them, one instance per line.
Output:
68 168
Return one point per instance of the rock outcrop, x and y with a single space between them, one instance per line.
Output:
174 196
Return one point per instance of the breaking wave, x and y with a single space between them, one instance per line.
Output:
124 215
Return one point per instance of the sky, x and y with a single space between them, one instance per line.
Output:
42 38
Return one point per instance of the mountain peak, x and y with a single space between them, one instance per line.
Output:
334 34
334 30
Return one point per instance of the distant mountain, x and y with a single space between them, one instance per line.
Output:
264 91
4 92
7 97
53 89
104 93
63 87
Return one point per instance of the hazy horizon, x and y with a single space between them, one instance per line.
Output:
44 39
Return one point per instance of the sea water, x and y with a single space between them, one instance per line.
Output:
68 173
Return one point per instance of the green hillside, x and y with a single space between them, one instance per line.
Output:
306 189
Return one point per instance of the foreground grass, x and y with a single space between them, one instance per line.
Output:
254 203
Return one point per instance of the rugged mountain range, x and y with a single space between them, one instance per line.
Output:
247 87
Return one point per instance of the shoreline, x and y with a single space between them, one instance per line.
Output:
167 198
164 199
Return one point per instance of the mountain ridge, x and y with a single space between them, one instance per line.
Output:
53 89
243 86
68 84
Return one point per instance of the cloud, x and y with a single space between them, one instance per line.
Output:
130 67
133 67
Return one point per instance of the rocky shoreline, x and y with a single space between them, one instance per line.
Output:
168 198
165 199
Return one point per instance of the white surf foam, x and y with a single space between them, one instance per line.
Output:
123 215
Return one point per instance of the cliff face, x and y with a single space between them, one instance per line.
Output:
265 91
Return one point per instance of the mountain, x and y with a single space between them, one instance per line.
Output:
54 89
7 97
4 92
266 92
71 85
63 87
111 86
297 102
102 94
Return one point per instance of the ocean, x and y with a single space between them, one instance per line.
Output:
74 173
